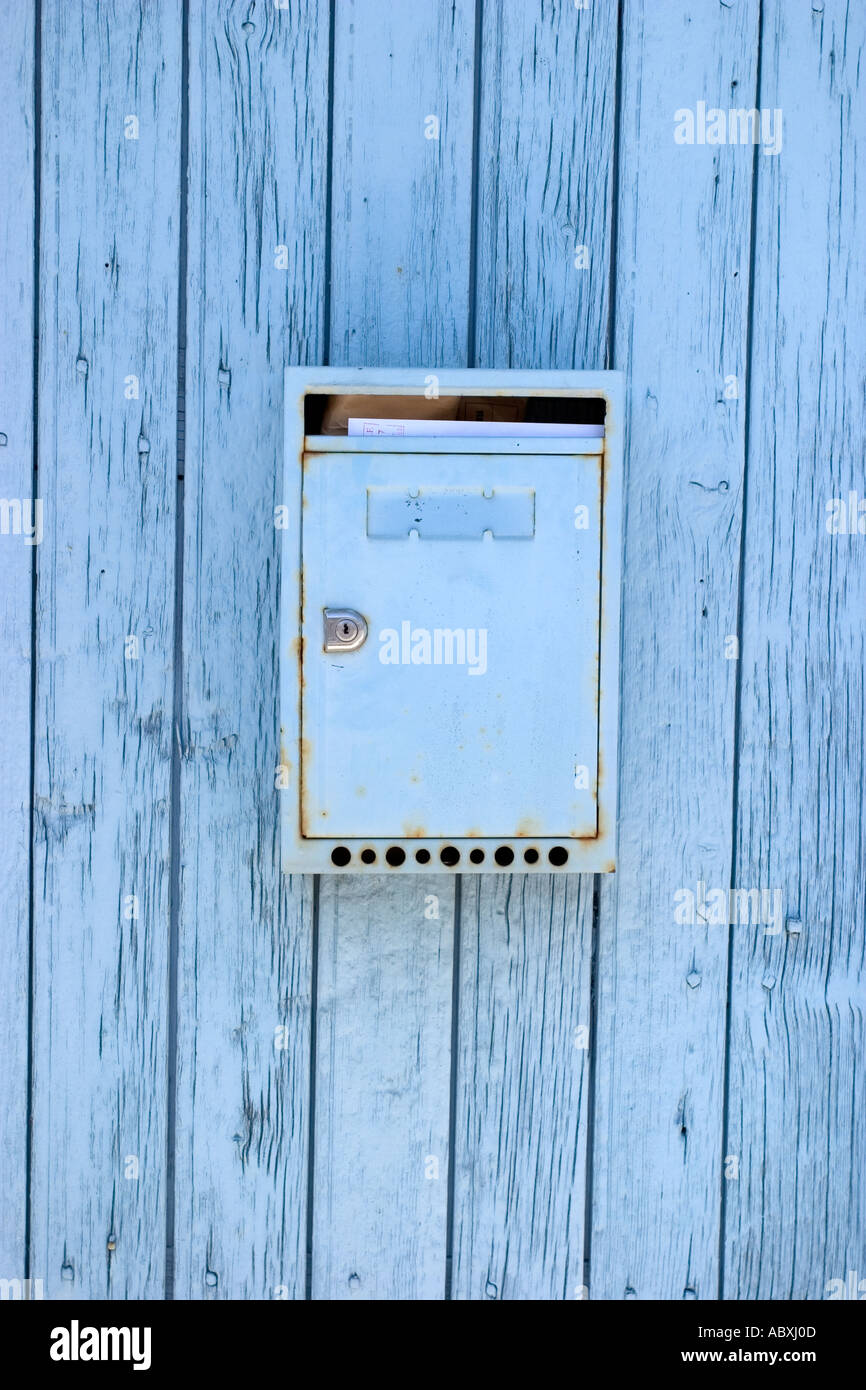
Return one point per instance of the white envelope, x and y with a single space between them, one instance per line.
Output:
481 429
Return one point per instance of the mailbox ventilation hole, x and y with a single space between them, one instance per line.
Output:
449 855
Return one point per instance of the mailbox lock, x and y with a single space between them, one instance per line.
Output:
345 630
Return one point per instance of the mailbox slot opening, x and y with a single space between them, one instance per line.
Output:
327 413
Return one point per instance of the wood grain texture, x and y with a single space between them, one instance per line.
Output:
17 228
397 286
401 218
108 311
681 327
545 161
383 1059
401 201
796 1218
256 250
548 79
523 1071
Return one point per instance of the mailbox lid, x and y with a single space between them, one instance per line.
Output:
472 707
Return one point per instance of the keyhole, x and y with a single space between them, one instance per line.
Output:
346 629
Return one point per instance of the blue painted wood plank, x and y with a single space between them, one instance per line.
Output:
399 296
401 183
547 113
107 439
17 229
548 78
255 300
682 271
796 1212
524 1034
383 1060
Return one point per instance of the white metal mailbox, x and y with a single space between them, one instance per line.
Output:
450 622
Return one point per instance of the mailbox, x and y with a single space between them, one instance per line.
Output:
450 620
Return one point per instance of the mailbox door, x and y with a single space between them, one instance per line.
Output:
471 709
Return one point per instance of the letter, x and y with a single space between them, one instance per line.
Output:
389 651
476 655
701 908
33 529
856 523
59 1344
141 1348
281 517
743 126
114 1336
835 516
431 127
10 515
684 130
684 916
420 647
717 127
581 517
701 123
405 642
772 916
750 901
838 1287
445 641
771 138
718 914
88 1345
